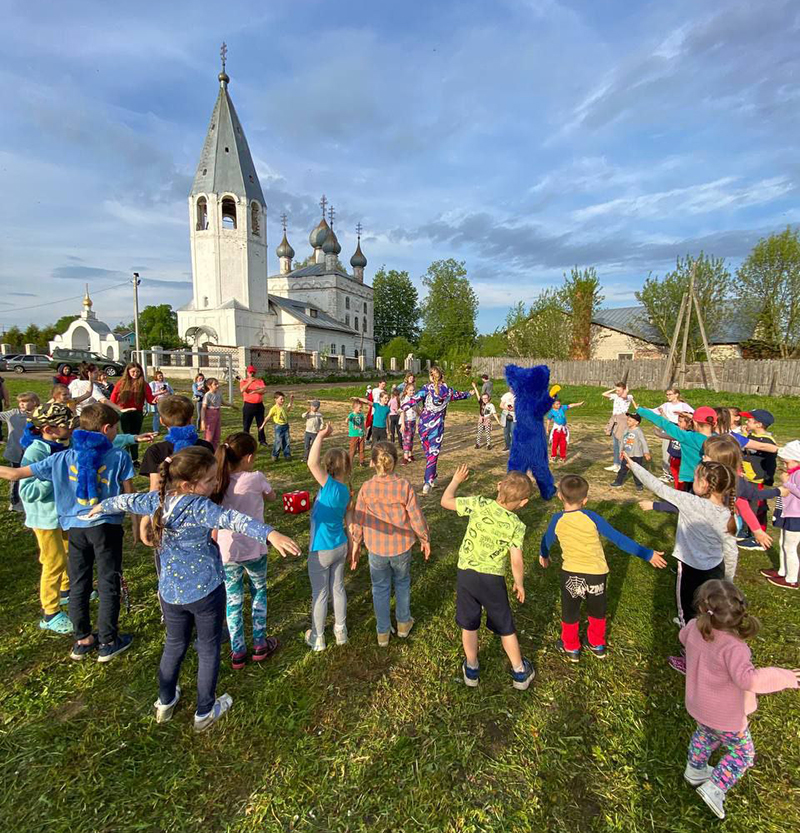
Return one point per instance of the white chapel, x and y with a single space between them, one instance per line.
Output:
316 307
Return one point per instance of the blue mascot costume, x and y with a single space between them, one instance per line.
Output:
529 447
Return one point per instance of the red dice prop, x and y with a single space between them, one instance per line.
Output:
296 502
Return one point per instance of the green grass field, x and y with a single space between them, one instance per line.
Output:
359 738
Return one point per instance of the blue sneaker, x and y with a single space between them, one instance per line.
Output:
572 656
111 649
59 623
80 652
597 650
471 675
749 544
522 679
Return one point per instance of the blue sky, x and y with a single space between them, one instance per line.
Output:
522 136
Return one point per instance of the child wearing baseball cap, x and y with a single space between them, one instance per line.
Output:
50 429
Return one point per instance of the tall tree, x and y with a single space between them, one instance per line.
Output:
542 331
32 335
158 325
661 299
768 292
13 336
450 308
581 298
396 305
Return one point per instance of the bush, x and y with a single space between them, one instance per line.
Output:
398 348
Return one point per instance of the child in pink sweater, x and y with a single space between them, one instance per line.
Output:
721 688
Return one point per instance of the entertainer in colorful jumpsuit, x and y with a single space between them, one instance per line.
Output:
436 396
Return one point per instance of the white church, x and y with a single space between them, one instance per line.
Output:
317 307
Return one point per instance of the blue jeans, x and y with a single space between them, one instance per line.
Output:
508 433
383 570
207 615
156 421
281 442
617 449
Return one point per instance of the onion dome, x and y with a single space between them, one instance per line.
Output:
285 250
331 245
358 259
317 237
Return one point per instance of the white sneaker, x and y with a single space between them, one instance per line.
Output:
164 713
340 634
426 489
317 644
714 797
611 468
696 777
667 478
221 705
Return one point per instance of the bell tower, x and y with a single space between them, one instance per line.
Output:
227 216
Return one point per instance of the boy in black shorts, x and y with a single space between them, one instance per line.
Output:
493 532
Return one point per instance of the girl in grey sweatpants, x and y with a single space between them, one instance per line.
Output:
326 573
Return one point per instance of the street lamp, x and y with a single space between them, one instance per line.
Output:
135 281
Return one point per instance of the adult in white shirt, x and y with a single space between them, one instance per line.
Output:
84 390
507 420
616 427
670 409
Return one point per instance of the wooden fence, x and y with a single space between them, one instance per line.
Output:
768 377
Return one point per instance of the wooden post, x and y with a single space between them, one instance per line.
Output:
687 326
666 379
705 340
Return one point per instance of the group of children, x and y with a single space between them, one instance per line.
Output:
204 516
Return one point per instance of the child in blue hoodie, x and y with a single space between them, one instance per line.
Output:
90 471
47 433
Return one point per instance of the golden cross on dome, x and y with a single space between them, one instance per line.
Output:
223 53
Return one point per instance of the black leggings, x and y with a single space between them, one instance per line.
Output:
689 579
130 422
254 411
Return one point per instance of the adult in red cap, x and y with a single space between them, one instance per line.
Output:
253 390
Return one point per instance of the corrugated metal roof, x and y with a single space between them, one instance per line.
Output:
297 309
314 270
632 321
226 165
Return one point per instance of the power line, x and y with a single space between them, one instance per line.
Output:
62 300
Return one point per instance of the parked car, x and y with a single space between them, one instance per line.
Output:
73 358
36 361
4 363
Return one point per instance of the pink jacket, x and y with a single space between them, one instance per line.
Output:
791 503
721 682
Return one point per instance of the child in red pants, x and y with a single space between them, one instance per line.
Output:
584 570
557 428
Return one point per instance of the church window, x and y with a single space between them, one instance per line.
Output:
228 213
347 320
365 308
347 303
355 352
205 171
255 219
364 323
202 214
344 352
356 322
312 312
333 349
227 150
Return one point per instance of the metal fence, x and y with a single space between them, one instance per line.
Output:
224 365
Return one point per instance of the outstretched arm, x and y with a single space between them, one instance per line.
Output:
624 543
448 500
314 462
7 473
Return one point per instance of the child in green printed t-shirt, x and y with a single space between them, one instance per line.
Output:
355 430
493 532
279 414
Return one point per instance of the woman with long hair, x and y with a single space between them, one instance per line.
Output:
436 396
130 395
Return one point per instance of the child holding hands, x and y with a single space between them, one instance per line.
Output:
493 533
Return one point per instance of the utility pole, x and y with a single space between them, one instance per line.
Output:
135 281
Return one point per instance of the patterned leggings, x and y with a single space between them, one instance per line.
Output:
484 430
408 436
732 766
234 587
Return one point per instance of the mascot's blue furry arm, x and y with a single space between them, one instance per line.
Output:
531 402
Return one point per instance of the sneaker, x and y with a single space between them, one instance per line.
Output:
769 572
572 656
238 661
404 628
749 544
476 445
611 468
666 478
780 581
615 485
598 651
678 664
274 459
340 634
383 639
59 623
471 675
676 621
164 712
714 797
80 651
317 644
522 679
221 705
265 651
94 596
113 649
64 601
695 776
426 489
